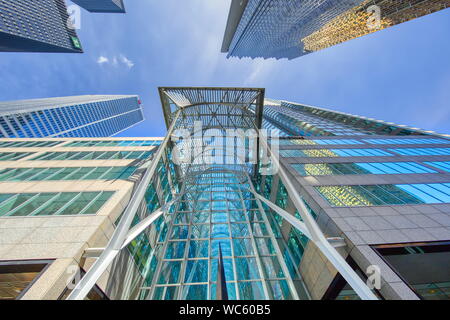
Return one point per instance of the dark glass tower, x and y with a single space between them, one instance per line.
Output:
102 6
36 26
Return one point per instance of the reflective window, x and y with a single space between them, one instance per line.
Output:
28 144
324 169
423 152
114 143
407 141
373 195
97 155
44 204
16 277
338 141
334 153
360 152
12 156
443 165
72 173
423 266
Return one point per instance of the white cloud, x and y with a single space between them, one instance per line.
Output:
102 60
115 61
127 62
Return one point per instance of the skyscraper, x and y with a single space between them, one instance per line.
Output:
76 189
76 116
102 6
36 26
289 29
335 201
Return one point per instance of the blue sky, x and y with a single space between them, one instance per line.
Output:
401 74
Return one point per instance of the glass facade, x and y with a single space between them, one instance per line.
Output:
36 26
201 212
334 153
413 263
52 204
94 155
102 6
378 195
423 152
295 119
289 29
71 173
13 156
442 165
177 257
16 277
326 169
28 144
78 116
114 143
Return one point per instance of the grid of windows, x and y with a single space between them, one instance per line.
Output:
395 168
406 141
72 173
324 169
122 143
374 195
443 165
28 144
222 215
338 141
294 142
11 156
302 123
94 155
42 21
319 142
334 153
45 204
80 117
423 152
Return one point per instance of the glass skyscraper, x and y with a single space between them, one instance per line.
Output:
289 29
76 116
328 206
102 6
36 26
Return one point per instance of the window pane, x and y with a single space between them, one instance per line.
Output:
57 203
77 206
34 204
14 202
95 206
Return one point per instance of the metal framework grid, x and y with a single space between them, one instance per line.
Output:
202 207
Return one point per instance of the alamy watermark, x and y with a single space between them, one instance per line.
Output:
227 147
74 20
373 273
374 20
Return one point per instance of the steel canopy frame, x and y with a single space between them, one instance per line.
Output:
185 101
119 236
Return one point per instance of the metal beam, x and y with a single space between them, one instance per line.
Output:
317 235
120 234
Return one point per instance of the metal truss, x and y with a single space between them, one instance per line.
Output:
121 234
217 108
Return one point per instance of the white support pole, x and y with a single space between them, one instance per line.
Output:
120 234
317 235
299 225
144 224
